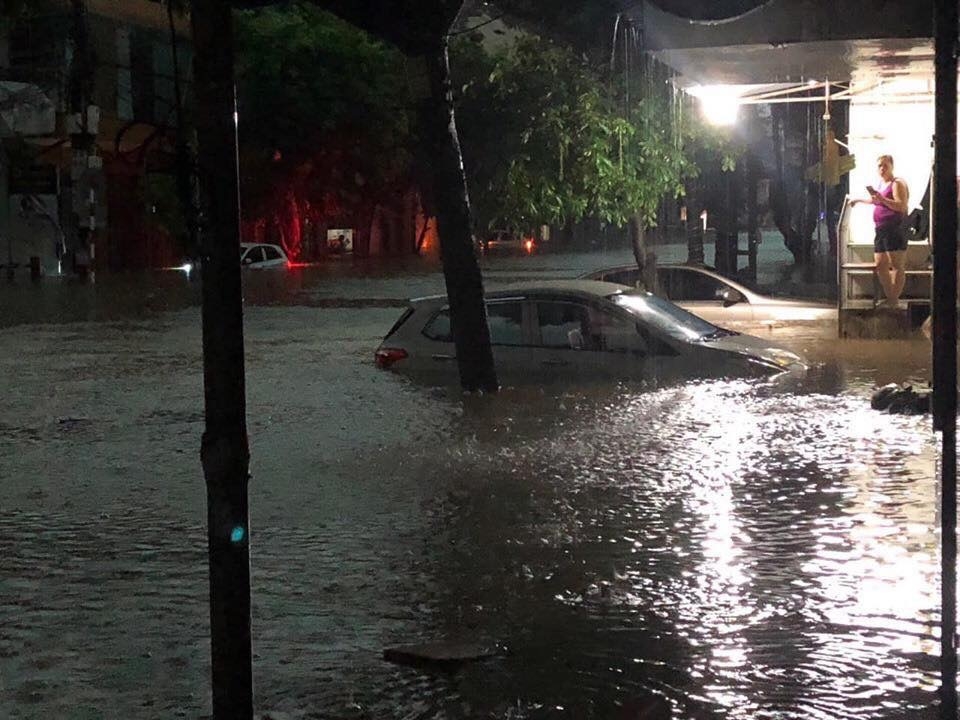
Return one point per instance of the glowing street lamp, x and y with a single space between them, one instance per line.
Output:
719 104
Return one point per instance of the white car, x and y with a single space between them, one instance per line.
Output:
262 255
718 299
582 330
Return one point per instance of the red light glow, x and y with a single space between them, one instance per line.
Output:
528 245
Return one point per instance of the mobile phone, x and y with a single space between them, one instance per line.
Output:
871 190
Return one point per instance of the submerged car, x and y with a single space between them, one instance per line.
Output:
582 329
507 243
718 299
262 255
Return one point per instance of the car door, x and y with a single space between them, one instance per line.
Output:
507 319
272 257
705 295
574 339
253 258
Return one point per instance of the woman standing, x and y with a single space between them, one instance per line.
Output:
889 242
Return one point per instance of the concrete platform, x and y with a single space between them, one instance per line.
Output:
882 323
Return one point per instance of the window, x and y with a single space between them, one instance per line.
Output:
628 276
560 322
506 323
613 333
271 253
505 320
143 99
124 75
666 317
439 327
691 286
254 255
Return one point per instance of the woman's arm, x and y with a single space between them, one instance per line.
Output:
898 203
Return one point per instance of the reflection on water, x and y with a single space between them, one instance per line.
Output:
745 556
736 549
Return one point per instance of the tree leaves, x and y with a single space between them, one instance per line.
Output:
544 141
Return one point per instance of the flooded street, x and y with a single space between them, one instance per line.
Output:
740 550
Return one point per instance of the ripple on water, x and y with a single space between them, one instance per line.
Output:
732 551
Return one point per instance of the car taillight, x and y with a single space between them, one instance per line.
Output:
385 357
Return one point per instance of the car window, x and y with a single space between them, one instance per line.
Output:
255 255
665 316
505 320
271 253
691 286
613 332
627 276
439 327
560 321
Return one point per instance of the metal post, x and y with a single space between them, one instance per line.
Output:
945 335
224 449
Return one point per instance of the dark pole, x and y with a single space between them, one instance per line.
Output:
224 449
945 335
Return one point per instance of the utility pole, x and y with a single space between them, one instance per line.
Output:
224 449
82 127
945 334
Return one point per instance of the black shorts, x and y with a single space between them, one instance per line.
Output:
889 238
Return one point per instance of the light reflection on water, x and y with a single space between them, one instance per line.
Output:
740 550
788 551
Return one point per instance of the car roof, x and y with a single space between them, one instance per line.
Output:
703 269
247 246
588 289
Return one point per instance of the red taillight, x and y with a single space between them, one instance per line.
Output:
385 357
528 245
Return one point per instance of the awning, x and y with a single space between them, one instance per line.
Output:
787 42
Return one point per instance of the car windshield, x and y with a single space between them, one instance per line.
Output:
668 318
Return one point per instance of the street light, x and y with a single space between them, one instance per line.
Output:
720 104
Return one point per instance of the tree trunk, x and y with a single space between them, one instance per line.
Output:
779 202
646 260
728 227
224 448
753 221
461 271
418 246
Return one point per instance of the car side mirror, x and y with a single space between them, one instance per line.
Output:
575 339
247 260
731 297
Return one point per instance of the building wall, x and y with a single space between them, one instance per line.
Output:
133 91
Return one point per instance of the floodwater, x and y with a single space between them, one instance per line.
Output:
732 549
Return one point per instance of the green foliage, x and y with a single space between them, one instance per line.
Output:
544 141
319 99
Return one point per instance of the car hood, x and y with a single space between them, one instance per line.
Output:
758 348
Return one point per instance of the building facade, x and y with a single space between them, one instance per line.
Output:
88 118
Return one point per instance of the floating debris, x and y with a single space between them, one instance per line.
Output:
441 655
900 400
